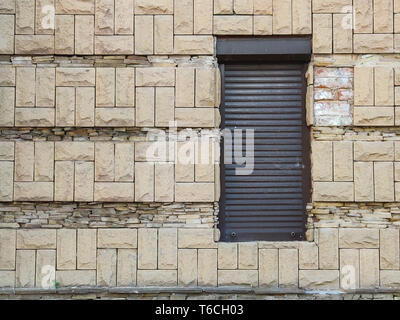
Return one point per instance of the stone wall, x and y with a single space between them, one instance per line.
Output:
88 86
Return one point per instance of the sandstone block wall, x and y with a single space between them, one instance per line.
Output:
84 84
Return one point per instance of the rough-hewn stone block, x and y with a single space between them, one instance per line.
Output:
194 192
114 191
7 249
157 278
384 181
126 267
207 267
75 77
154 6
184 87
117 238
25 269
86 248
196 239
319 279
322 160
187 267
373 151
66 249
248 256
328 248
333 191
353 238
147 248
227 255
322 33
33 191
288 268
373 43
369 268
238 278
167 248
76 278
106 267
268 270
144 176
374 116
389 249
144 35
363 181
36 239
226 25
74 151
193 45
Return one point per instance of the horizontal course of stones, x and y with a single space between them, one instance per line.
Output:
108 215
78 93
108 171
147 27
190 257
358 166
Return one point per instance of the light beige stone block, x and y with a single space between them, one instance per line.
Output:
104 164
268 270
33 191
183 16
248 255
24 160
117 238
34 44
6 180
187 267
389 278
373 151
319 279
7 34
76 278
7 6
145 107
384 181
7 103
144 36
383 16
333 191
25 269
363 16
64 41
75 6
207 267
194 192
163 182
164 106
205 87
328 248
322 165
84 106
308 256
65 107
7 279
203 16
155 77
322 33
185 159
374 116
147 248
165 278
384 86
238 278
373 43
343 160
224 7
389 249
124 162
44 161
126 267
342 34
25 16
262 25
8 239
66 249
282 15
369 268
64 181
86 257
124 13
6 150
45 264
228 255
34 117
74 151
227 25
167 248
104 17
144 176
196 239
45 87
288 268
75 77
184 87
192 45
114 191
349 269
84 34
154 6
163 34
364 181
358 238
125 87
115 117
195 117
301 16
107 267
114 45
105 87
7 76
26 88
